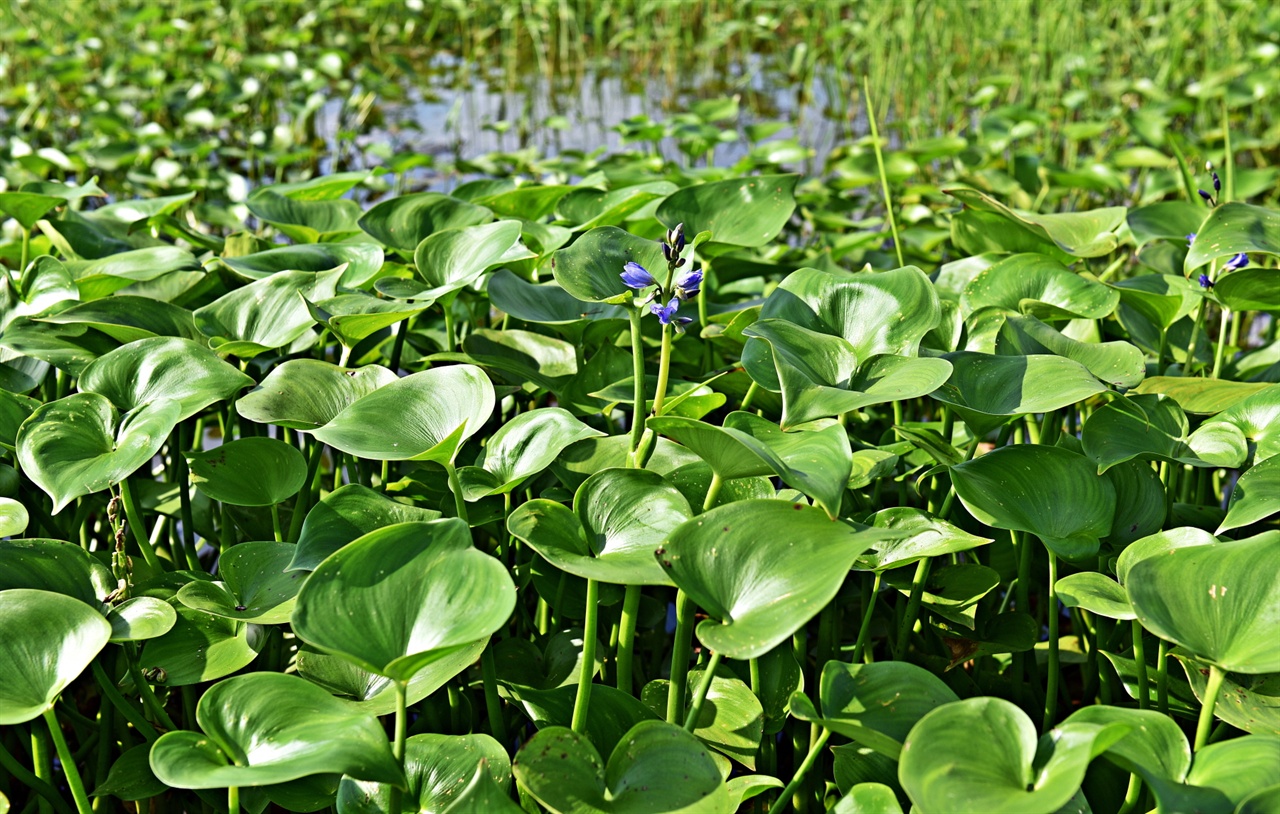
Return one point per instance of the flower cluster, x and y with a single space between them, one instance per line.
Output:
1212 200
684 283
1234 264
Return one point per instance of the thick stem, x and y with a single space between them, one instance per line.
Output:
680 658
913 606
455 486
1162 678
1207 704
700 695
149 699
713 492
492 703
401 729
865 630
627 637
1140 659
134 516
815 750
24 776
130 712
591 621
749 397
1051 691
638 401
41 760
664 370
302 503
233 800
275 523
1222 341
182 476
68 760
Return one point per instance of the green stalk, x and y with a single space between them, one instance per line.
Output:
884 178
145 692
664 370
583 700
492 703
1216 674
134 517
680 657
749 397
700 695
275 523
130 712
780 804
24 776
41 760
69 770
401 729
1222 341
233 800
455 486
713 492
637 410
182 476
1140 658
25 257
303 502
1051 691
865 630
1132 795
627 637
1162 678
913 606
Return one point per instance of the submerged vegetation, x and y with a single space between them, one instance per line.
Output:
370 447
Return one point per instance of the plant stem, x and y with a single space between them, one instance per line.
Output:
1224 318
913 606
134 517
455 486
492 703
1207 704
182 476
275 523
780 804
713 492
149 699
1132 795
1140 659
23 775
1162 678
700 695
233 800
664 370
302 503
638 404
749 397
68 760
590 622
401 729
130 712
680 657
884 178
865 630
627 637
1051 691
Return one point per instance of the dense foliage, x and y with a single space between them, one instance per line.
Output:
941 476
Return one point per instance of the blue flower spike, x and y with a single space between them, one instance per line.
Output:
667 315
637 276
1236 263
687 284
1191 238
1205 282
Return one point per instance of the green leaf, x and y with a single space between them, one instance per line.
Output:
403 596
423 417
1255 497
127 318
141 618
265 728
1090 233
439 768
402 223
1159 543
614 712
918 536
354 317
249 472
982 755
1258 417
1250 290
46 641
1237 768
254 586
77 445
761 569
590 269
1233 228
13 517
305 394
306 221
868 798
1202 396
1155 749
1153 427
546 303
747 211
731 720
1096 593
266 314
362 261
1050 492
346 513
818 462
455 258
28 207
52 565
562 770
201 647
1219 602
131 777
521 448
1116 363
374 693
1039 286
619 518
1247 702
986 386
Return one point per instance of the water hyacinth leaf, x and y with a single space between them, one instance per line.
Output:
266 314
1153 427
741 212
14 409
1218 601
403 596
127 318
1141 502
346 513
1236 768
1167 220
70 348
619 518
374 693
818 462
106 275
304 394
563 772
1116 363
1255 497
1155 749
139 618
875 705
131 777
1039 286
615 712
48 640
731 720
423 417
1251 289
868 798
403 222
982 755
528 200
591 455
1202 396
521 448
353 317
438 768
588 208
28 207
455 258
306 221
545 303
201 647
264 728
254 586
249 471
523 356
57 566
1159 543
1248 702
1096 593
1233 228
13 517
1258 417
590 268
80 445
989 388
1066 503
728 455
1089 233
362 261
761 569
951 591
780 678
918 536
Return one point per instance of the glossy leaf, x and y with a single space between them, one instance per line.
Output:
1153 427
741 211
304 394
1233 228
731 720
590 268
254 586
438 769
1039 286
57 566
917 536
1076 234
403 222
362 261
266 314
1255 497
140 618
249 471
343 515
521 448
991 386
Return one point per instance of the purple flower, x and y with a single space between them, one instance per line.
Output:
637 276
1207 197
1205 282
687 284
667 315
1191 238
1238 262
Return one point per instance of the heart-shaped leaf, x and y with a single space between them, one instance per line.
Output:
266 314
1039 286
46 641
731 720
741 211
254 586
990 388
354 317
1116 363
1248 702
402 223
345 514
1233 228
403 596
304 394
201 647
374 693
127 318
438 769
761 569
1256 495
1090 233
249 471
1153 427
265 728
306 221
1202 396
52 565
590 268
919 536
362 261
546 303
140 618
454 258
1096 593
524 446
